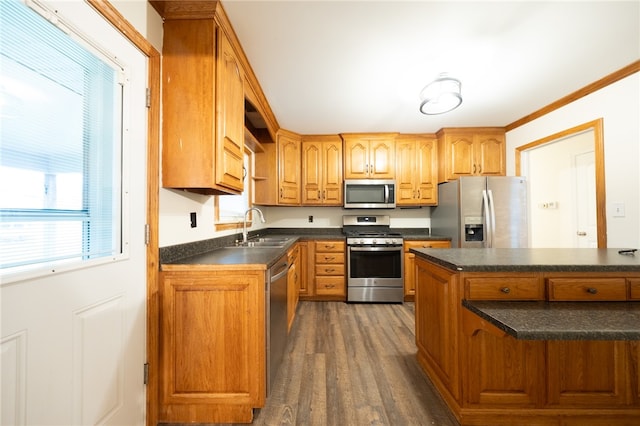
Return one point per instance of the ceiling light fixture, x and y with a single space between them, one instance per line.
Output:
440 96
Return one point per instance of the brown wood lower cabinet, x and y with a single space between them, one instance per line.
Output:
293 284
326 268
409 268
490 378
212 345
588 374
499 370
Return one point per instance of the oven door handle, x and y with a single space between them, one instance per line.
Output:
398 248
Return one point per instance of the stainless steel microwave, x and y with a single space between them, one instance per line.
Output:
369 194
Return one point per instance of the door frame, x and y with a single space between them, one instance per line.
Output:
112 15
597 128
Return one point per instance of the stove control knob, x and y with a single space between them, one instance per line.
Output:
373 241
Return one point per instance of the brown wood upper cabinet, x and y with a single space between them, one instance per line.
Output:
471 152
416 170
322 170
203 109
288 167
369 156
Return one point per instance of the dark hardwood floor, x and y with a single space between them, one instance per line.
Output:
353 364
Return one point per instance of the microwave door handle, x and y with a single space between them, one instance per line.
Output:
386 194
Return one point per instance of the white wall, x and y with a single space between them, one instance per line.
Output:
619 105
144 18
331 217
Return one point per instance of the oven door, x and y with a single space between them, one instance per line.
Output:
370 266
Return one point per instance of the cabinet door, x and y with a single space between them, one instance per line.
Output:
356 159
312 170
230 117
499 370
332 173
489 155
382 159
426 176
634 351
212 345
322 173
406 193
587 373
289 169
292 294
437 306
461 159
409 265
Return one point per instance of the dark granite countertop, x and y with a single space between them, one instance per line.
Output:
260 257
532 260
209 251
561 320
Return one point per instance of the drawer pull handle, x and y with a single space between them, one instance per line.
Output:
329 286
329 270
505 290
329 246
592 290
329 257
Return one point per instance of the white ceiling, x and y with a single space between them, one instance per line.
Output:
330 67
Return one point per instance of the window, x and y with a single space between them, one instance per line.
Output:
229 209
61 108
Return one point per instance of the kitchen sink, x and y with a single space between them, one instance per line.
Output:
265 242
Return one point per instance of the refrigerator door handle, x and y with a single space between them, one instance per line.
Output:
487 217
492 206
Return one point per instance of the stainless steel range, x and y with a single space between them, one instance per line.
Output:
375 261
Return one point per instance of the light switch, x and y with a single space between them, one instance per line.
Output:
618 209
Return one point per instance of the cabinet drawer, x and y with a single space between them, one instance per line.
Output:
330 269
330 286
330 246
322 258
634 288
500 288
408 245
579 289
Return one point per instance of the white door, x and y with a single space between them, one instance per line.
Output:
73 343
586 229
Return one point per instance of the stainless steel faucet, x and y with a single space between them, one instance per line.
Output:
244 225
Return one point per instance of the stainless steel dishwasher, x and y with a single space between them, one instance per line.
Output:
276 317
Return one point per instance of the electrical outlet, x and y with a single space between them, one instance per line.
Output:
192 217
310 219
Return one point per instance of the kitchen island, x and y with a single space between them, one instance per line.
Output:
490 375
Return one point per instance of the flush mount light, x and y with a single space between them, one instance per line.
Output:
440 96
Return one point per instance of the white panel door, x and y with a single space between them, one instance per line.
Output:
73 343
586 235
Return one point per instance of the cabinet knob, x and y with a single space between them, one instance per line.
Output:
592 290
505 290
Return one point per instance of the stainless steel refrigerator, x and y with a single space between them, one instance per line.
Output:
483 211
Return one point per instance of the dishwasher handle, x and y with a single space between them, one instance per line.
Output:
283 269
